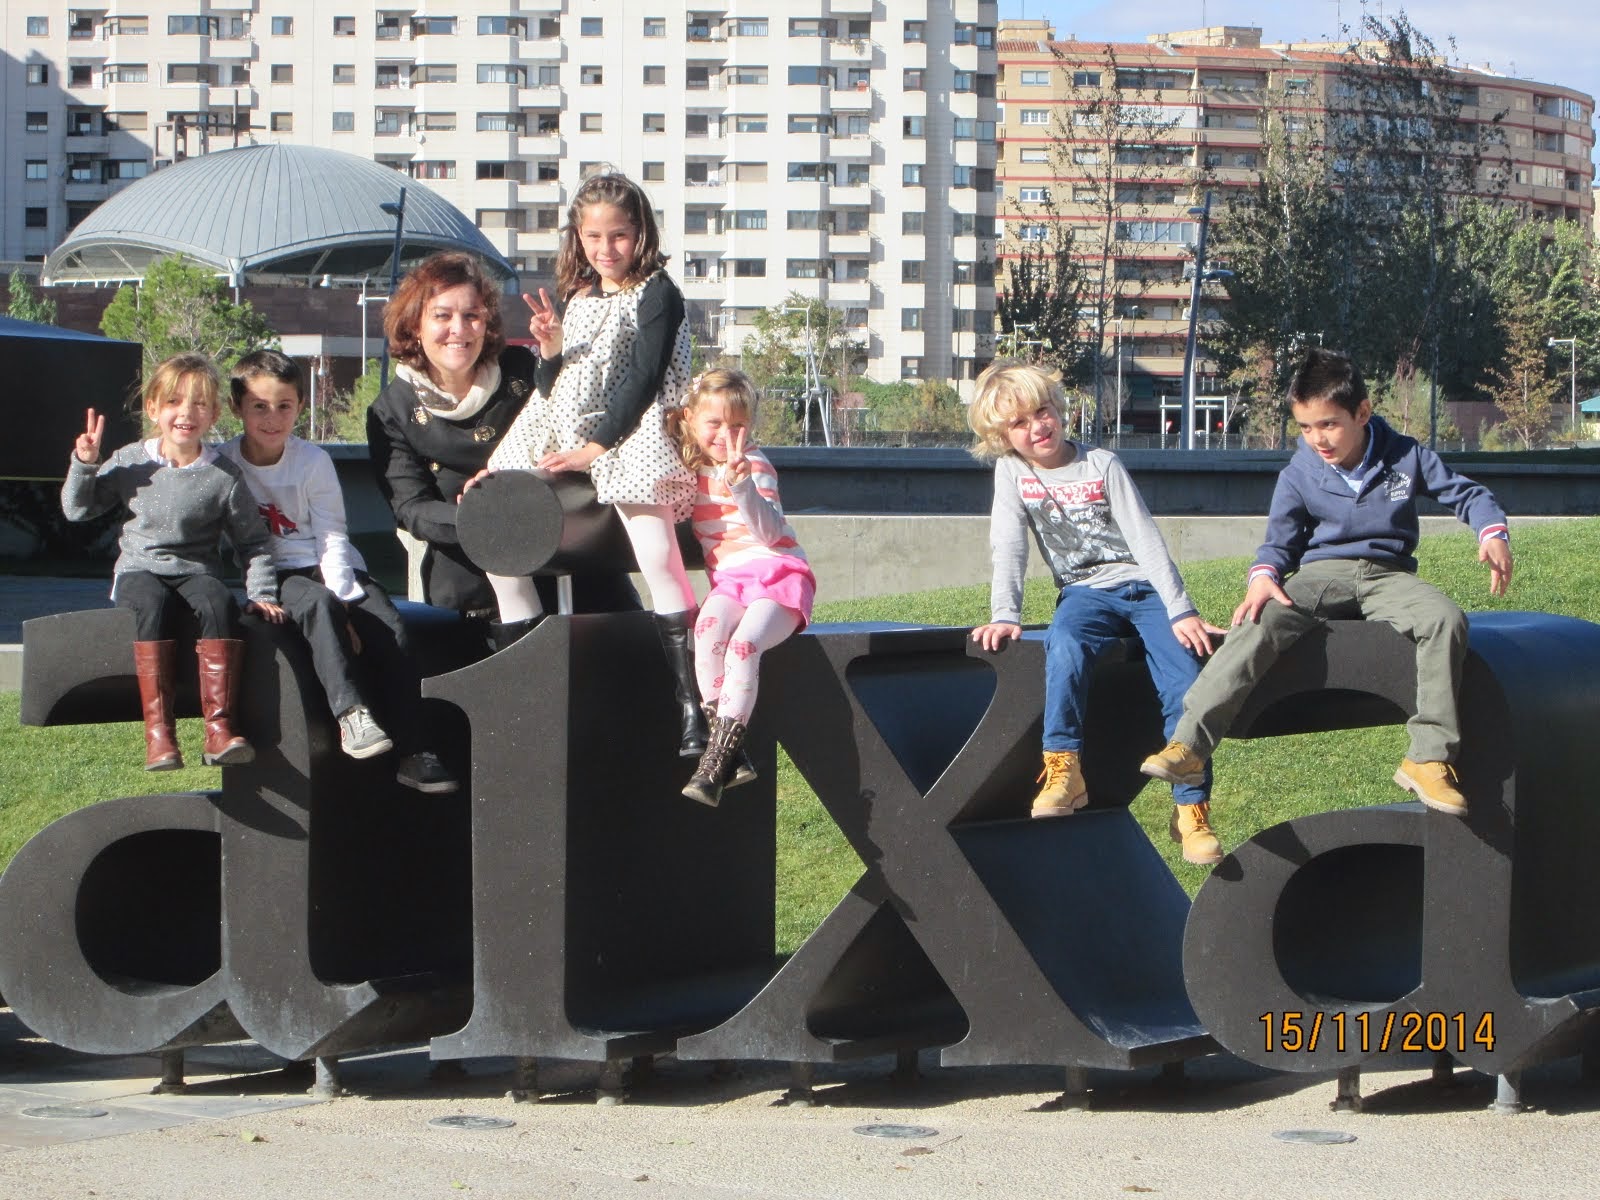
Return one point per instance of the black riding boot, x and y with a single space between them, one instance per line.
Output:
676 631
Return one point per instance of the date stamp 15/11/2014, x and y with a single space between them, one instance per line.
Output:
1295 1032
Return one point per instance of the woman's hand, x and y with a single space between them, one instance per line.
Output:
580 459
87 447
474 482
545 327
267 610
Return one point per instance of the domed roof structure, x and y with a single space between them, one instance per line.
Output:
268 212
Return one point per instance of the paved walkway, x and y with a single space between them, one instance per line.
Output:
245 1131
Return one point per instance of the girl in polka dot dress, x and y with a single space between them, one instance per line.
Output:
611 363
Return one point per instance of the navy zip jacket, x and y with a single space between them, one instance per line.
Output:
1315 514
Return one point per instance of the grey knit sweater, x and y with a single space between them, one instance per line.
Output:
177 515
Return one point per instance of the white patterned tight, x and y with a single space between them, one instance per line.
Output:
655 546
729 640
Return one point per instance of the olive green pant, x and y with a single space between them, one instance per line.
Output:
1339 589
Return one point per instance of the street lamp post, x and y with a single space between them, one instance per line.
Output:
1571 344
813 384
397 210
1198 275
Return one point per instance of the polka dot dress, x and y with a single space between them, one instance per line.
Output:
597 334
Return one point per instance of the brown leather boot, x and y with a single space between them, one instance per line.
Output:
220 663
708 780
152 666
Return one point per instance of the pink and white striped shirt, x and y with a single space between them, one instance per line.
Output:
737 524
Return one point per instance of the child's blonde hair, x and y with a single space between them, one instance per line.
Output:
738 397
172 379
1003 390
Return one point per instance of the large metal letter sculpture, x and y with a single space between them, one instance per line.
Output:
312 903
1020 941
1332 938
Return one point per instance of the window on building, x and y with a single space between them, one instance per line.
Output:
342 73
127 26
743 268
813 27
591 75
284 72
655 122
1032 233
911 272
1085 156
1086 79
191 73
1033 195
127 73
655 76
1034 78
137 122
802 268
911 368
500 122
911 79
750 27
508 73
800 218
655 27
589 123
655 172
80 75
911 222
1034 116
344 122
748 172
963 81
35 218
282 122
502 27
801 172
36 168
443 73
37 73
344 27
38 26
500 218
749 123
515 171
817 76
546 75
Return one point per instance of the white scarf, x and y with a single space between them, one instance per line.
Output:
441 403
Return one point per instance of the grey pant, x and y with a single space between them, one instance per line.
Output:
1342 588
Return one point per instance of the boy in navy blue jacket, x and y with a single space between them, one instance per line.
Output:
1340 538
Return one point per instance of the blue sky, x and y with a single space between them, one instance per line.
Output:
1547 42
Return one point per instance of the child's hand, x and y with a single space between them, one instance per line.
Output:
87 447
545 327
993 636
1496 551
737 469
1262 589
267 610
571 460
1194 633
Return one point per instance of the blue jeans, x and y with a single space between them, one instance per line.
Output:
1085 620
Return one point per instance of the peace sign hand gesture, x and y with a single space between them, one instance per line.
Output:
87 447
737 469
545 327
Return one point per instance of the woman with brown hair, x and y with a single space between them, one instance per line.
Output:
457 388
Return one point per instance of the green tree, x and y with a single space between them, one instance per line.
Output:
182 307
1042 300
344 419
25 305
777 348
1523 389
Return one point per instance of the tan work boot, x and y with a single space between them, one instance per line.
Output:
1435 784
1191 826
1175 763
1064 791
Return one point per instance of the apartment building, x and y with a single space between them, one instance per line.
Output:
844 150
1204 91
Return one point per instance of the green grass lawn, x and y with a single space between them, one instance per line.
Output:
45 773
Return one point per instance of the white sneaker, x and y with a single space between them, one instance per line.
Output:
359 735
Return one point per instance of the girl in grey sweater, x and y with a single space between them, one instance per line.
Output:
182 498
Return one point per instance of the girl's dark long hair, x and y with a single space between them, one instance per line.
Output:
573 272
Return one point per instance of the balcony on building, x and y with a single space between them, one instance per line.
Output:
853 146
848 195
852 99
844 243
851 51
856 293
864 8
542 191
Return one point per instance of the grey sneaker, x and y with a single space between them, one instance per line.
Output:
424 772
359 735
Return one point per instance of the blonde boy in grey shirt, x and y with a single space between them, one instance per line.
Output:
1116 579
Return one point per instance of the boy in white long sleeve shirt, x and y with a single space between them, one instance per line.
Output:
1113 570
322 580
